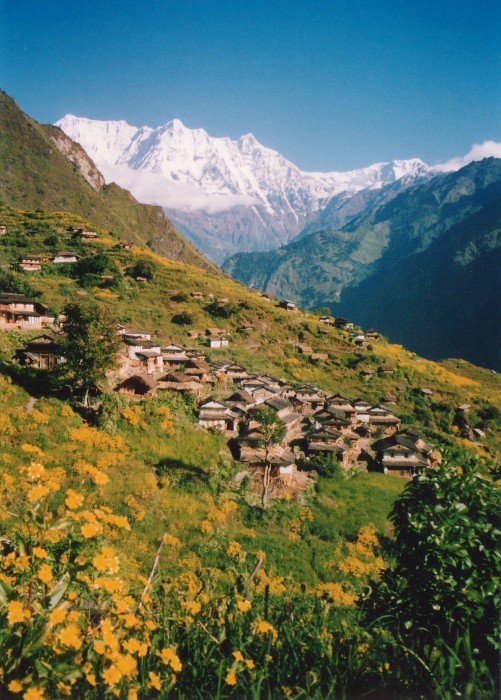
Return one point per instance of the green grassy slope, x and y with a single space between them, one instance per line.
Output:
36 175
270 344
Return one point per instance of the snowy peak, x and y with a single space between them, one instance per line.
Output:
104 141
240 193
244 165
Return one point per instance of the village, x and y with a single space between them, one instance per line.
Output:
350 432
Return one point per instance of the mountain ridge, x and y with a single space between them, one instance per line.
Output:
43 169
225 195
319 270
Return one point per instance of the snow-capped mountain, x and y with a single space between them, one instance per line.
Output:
226 195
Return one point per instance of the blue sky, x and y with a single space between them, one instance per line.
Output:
331 84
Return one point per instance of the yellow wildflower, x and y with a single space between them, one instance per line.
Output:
263 627
21 562
34 694
56 616
169 657
31 448
192 606
15 687
112 675
238 655
91 529
73 499
250 663
234 549
64 688
126 664
131 645
36 470
69 636
39 552
91 679
16 612
118 521
99 647
45 573
110 585
106 561
130 620
37 492
244 605
155 681
231 677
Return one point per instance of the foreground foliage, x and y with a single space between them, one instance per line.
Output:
119 582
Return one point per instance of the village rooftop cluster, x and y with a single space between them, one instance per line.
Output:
355 433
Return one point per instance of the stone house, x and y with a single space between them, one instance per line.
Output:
287 305
42 352
31 263
66 257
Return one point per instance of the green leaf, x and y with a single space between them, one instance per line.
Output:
58 591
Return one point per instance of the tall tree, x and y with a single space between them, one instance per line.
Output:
89 346
272 430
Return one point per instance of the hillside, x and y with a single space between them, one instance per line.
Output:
453 289
152 547
320 269
43 169
262 336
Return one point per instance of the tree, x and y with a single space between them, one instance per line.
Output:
444 591
143 268
89 347
272 430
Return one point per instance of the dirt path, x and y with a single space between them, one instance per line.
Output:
31 404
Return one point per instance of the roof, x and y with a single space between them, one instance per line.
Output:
291 417
139 343
137 381
41 340
241 397
278 404
148 354
173 347
12 298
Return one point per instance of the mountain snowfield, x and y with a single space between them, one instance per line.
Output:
226 195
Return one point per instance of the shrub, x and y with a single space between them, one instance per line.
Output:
143 268
441 600
182 319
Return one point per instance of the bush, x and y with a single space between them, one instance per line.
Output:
441 600
217 310
325 465
143 268
182 319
